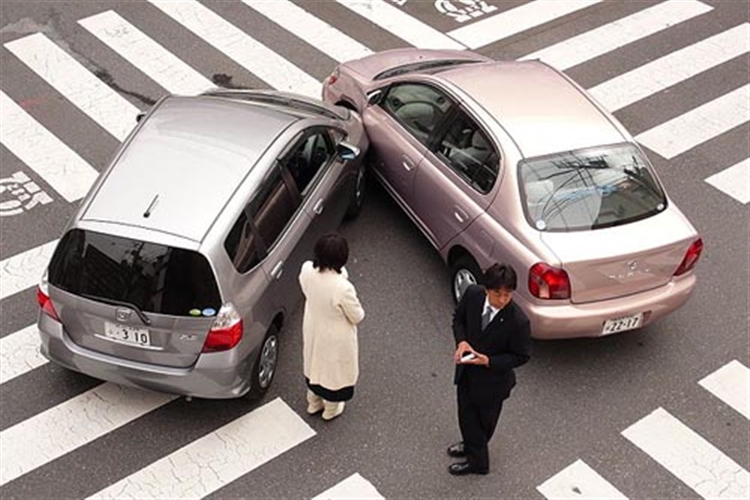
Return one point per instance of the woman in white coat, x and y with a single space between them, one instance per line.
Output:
329 328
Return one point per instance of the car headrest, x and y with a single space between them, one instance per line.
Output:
478 141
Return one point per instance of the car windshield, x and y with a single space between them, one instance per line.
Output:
150 277
589 189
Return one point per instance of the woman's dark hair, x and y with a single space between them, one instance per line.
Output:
331 252
500 276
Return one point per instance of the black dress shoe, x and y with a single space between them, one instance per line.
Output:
457 450
463 468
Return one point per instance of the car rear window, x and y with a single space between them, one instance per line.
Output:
589 189
154 278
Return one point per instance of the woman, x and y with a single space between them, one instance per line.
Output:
329 328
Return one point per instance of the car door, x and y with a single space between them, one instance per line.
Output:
399 128
455 178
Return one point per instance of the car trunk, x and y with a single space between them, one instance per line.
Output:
132 299
621 260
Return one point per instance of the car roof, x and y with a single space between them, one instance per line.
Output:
185 163
539 107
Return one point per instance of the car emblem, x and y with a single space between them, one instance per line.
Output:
123 314
632 265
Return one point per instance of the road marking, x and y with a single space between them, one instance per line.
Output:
579 481
24 270
92 96
511 22
734 181
731 384
689 457
60 167
354 487
63 428
19 353
612 36
672 68
321 35
145 54
252 55
205 465
698 125
401 24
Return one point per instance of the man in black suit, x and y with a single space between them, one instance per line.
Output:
493 332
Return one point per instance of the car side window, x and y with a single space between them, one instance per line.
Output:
271 209
305 160
418 107
465 148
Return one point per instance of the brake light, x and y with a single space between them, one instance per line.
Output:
333 77
691 257
44 301
547 282
226 332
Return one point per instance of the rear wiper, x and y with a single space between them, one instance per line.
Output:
114 302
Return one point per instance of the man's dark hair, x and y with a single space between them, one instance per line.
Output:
331 252
500 276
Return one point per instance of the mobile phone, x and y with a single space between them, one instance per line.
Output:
468 357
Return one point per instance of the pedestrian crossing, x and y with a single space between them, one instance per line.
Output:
108 407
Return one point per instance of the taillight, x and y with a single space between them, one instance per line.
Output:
226 331
691 257
547 282
42 298
333 77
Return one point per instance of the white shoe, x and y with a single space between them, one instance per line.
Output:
314 403
332 410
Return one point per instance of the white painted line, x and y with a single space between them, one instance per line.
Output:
19 353
734 181
354 487
731 384
321 35
511 22
252 55
612 36
579 481
205 465
60 167
672 68
698 125
25 269
92 96
399 23
689 457
145 54
47 436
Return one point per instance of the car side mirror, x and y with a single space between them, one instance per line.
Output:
346 151
374 97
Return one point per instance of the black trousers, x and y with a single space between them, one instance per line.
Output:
477 423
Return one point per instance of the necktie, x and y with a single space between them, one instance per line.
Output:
486 317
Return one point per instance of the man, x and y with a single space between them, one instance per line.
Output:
492 338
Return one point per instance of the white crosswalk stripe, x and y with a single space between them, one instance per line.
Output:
24 270
354 487
207 464
731 384
92 96
578 480
734 181
19 353
145 54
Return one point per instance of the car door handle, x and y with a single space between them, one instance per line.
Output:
277 270
459 215
318 208
407 164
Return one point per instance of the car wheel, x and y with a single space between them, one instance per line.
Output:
265 364
464 272
358 196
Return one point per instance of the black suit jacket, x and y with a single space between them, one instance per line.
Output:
506 341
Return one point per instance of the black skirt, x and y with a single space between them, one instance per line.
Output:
343 394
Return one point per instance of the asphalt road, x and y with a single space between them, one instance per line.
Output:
573 399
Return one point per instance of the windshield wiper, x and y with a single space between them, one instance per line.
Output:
114 302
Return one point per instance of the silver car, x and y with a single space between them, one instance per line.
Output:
179 268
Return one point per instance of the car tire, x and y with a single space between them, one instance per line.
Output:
358 196
264 367
464 272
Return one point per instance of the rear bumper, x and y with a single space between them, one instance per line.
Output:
219 375
587 320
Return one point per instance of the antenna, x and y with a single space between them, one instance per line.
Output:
150 208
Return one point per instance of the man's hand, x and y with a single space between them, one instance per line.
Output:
464 347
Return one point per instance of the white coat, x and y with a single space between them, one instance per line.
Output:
329 328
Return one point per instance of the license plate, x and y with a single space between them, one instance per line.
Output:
622 324
127 334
